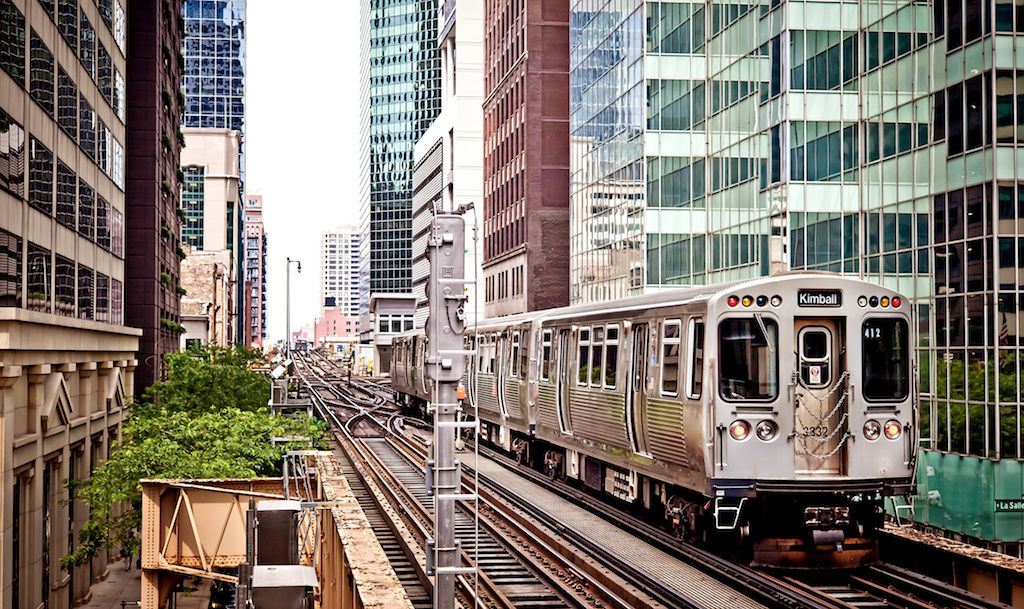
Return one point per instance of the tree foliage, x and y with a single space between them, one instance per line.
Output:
209 419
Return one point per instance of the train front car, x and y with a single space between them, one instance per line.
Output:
814 415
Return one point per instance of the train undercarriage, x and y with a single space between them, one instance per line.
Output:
820 530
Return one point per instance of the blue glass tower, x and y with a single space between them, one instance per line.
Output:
401 67
214 52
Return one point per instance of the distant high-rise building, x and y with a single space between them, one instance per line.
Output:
400 96
715 141
151 204
526 156
255 288
339 270
67 358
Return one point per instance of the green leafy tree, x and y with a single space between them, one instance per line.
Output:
207 420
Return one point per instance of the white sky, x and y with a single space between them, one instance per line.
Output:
301 141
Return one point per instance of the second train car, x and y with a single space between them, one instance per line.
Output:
780 412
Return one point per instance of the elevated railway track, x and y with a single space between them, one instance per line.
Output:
541 543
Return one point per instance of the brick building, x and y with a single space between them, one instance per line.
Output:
151 202
526 155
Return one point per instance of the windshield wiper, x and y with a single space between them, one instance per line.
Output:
764 332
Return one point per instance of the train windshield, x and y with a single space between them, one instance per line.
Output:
886 359
749 361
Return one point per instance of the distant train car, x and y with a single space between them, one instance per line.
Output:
780 411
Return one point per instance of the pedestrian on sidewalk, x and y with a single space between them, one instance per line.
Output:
126 551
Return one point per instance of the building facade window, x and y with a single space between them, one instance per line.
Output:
86 288
40 177
41 74
12 156
12 41
10 269
65 200
37 274
64 286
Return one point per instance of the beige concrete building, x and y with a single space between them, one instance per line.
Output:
211 196
66 359
210 289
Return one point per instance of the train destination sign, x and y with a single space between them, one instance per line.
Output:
819 298
1010 505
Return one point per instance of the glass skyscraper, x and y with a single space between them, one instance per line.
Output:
713 141
214 52
402 94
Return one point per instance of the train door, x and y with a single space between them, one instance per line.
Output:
636 396
563 380
499 374
820 419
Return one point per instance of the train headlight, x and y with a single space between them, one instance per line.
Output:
776 300
747 301
872 429
739 430
893 429
766 430
762 301
873 301
863 301
733 301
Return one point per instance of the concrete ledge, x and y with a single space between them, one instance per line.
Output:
352 555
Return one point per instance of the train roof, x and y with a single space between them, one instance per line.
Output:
660 298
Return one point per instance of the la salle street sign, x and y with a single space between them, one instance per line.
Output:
1010 505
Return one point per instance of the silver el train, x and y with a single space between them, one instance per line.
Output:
780 411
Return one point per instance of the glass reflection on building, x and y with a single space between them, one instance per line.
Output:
877 139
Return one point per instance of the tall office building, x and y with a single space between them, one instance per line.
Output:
255 303
339 270
67 360
153 185
214 84
448 171
717 141
400 96
526 156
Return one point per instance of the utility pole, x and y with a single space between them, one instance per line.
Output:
288 305
446 361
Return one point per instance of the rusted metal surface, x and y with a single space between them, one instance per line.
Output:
198 528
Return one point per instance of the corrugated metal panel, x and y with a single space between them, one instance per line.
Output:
666 438
598 416
547 402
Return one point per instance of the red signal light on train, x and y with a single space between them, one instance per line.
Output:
893 430
739 430
896 302
733 301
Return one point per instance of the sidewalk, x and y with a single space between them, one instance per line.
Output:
121 585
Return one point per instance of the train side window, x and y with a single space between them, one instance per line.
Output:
695 365
583 359
524 355
492 352
611 356
670 339
596 361
545 355
514 358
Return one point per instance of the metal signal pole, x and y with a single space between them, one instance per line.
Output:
446 361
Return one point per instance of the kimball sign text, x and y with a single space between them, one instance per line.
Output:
819 298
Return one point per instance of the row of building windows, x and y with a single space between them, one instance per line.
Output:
52 283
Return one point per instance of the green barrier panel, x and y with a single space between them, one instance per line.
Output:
976 497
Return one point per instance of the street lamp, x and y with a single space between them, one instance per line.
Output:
288 304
